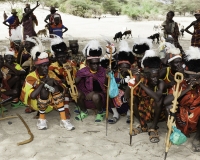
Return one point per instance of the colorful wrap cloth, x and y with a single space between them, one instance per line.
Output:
86 83
32 81
188 113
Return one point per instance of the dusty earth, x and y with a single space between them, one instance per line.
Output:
88 141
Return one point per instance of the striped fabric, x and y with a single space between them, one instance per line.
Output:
59 70
195 41
146 106
28 28
32 81
189 110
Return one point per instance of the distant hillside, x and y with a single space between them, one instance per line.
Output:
165 1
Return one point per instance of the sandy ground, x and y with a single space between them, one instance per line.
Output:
88 141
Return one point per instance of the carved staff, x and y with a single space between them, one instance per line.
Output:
131 106
72 90
176 93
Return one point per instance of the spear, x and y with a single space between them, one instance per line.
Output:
176 93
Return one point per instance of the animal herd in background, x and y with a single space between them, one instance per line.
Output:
127 33
119 35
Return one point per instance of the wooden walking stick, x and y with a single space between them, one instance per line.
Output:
131 110
29 132
171 120
28 129
107 98
131 106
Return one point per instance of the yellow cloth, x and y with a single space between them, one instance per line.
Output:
31 82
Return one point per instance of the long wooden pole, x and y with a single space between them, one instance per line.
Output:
108 87
176 93
131 107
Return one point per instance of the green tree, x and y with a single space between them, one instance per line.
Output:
111 6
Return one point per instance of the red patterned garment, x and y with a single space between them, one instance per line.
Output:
189 110
195 41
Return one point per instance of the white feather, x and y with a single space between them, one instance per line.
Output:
149 53
43 55
39 43
93 45
143 40
8 52
30 39
174 51
192 53
34 50
123 46
56 40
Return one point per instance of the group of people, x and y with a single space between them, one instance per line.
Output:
29 21
48 80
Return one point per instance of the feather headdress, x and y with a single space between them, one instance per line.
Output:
125 54
141 45
92 50
193 59
37 48
151 59
9 51
173 52
58 46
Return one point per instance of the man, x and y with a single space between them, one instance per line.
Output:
49 18
195 41
90 82
174 61
13 21
119 104
43 90
149 93
57 27
75 54
171 28
188 114
60 68
28 21
12 73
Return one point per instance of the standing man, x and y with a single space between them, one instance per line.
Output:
171 28
28 21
